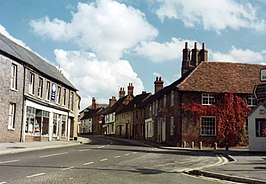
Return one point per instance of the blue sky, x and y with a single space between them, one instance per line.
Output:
102 45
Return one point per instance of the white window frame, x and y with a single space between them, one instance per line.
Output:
172 98
14 69
172 125
48 90
11 115
207 129
40 87
58 95
251 101
71 101
31 83
207 99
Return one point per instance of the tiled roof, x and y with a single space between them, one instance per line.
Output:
20 53
222 77
118 105
137 100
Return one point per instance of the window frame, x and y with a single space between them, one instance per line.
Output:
31 83
58 95
172 98
206 126
40 88
14 77
210 98
11 116
48 91
252 99
172 125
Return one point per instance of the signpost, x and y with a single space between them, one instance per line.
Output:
260 91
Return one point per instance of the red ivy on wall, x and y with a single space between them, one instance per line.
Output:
231 113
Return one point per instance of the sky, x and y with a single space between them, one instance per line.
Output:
102 45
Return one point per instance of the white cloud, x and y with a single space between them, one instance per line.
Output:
94 77
240 55
162 52
212 15
19 42
106 27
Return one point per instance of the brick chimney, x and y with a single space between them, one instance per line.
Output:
158 84
186 60
93 103
112 101
203 54
194 56
130 89
122 93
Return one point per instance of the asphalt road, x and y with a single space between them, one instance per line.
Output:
104 161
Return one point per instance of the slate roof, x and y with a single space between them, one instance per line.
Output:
21 54
222 77
137 100
118 105
91 113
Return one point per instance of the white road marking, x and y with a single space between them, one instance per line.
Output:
127 154
108 145
89 163
117 156
105 159
2 182
134 153
68 168
9 161
35 175
56 154
100 147
84 150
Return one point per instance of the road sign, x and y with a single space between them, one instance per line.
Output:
260 91
263 75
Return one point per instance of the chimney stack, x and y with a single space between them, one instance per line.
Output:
158 84
186 60
203 54
130 89
112 101
93 103
194 56
122 92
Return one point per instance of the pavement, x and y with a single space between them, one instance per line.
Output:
242 166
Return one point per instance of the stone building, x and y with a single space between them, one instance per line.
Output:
37 101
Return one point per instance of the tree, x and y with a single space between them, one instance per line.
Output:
231 112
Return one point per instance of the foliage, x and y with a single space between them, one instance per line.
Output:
231 113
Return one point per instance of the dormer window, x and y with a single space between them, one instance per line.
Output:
207 99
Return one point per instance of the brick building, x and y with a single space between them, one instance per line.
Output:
37 102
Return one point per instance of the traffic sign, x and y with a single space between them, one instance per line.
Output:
260 91
263 75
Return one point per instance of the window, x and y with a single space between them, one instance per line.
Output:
164 100
31 83
64 96
47 94
208 99
14 77
251 101
260 127
153 108
71 101
172 126
208 126
11 119
58 98
40 87
172 98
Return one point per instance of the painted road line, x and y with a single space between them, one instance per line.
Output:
134 153
68 168
100 147
35 175
108 145
117 156
89 163
2 182
105 159
9 161
56 154
84 150
127 154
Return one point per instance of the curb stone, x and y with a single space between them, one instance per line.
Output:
224 177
